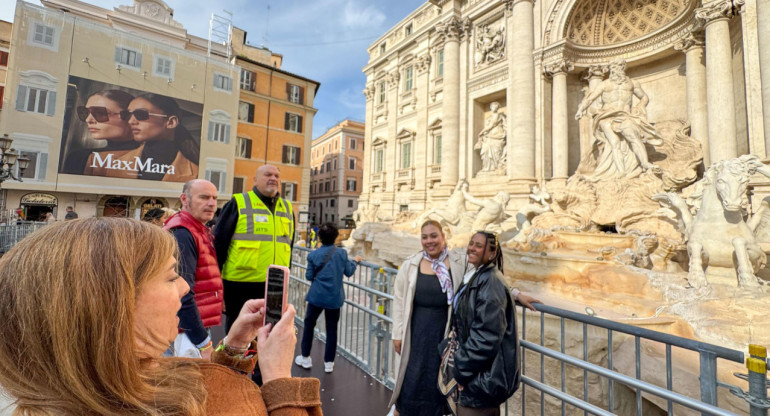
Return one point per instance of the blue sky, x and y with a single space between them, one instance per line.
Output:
324 40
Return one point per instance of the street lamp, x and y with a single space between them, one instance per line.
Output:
8 158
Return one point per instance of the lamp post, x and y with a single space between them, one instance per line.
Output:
8 158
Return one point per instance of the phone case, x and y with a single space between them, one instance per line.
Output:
285 276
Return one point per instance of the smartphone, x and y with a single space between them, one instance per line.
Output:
276 289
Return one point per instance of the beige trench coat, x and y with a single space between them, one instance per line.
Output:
406 281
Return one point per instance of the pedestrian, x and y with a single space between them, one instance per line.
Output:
202 306
157 216
96 346
49 218
255 229
325 268
313 239
71 214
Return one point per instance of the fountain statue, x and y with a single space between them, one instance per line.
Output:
491 142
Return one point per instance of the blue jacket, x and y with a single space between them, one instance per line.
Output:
326 287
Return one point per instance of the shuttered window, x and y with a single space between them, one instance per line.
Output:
293 122
248 80
295 94
128 57
291 155
36 100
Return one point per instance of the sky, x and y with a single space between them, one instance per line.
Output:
324 40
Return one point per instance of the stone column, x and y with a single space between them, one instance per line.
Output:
521 80
720 95
422 144
369 93
389 167
697 113
452 31
559 118
763 35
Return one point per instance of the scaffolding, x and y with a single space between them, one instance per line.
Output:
221 31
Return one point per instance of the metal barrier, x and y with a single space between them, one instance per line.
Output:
365 339
12 234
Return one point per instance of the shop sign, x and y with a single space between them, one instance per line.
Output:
38 199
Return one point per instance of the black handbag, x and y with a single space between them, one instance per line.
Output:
447 384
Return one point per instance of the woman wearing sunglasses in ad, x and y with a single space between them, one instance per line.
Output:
102 116
155 124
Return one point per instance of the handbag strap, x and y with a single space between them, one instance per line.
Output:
326 260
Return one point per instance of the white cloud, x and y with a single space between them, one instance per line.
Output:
358 15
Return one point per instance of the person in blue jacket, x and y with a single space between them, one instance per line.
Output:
325 267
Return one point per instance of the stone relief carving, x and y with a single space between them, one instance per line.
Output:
540 204
693 39
369 92
422 63
490 45
453 28
393 78
717 235
491 141
491 212
557 67
724 9
448 213
619 126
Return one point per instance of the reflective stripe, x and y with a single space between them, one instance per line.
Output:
253 237
283 214
247 211
283 239
249 218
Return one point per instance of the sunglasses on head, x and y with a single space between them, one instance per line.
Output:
139 115
100 114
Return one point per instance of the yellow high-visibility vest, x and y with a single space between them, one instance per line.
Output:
261 238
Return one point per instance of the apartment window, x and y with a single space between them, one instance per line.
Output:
352 144
238 185
437 149
164 67
406 155
336 143
293 122
315 171
38 161
440 63
335 164
219 127
382 47
222 82
322 168
326 188
2 94
328 166
378 158
331 204
128 57
43 35
295 94
350 203
408 78
352 163
403 208
291 155
36 100
289 191
408 30
243 147
217 177
246 111
3 58
382 92
351 185
248 80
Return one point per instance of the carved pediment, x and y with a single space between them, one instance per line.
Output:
152 9
405 134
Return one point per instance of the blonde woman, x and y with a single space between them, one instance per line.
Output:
86 310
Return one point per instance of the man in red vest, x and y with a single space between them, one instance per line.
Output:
202 306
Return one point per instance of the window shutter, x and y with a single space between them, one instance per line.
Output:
286 121
42 165
253 81
222 182
51 103
248 149
227 134
138 59
302 95
207 176
118 52
251 113
211 131
299 155
21 98
288 92
284 154
299 124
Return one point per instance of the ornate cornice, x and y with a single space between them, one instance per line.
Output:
595 71
722 9
693 39
422 63
452 29
510 3
559 67
393 78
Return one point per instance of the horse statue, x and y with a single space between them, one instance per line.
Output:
717 235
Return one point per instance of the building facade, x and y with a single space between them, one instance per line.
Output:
5 49
488 91
115 108
336 176
275 123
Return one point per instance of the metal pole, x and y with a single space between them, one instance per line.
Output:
708 378
757 366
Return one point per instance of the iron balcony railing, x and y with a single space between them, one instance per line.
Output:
365 339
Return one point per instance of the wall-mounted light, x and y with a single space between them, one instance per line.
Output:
85 61
118 67
144 74
169 80
192 87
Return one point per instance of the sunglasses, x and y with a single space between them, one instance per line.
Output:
139 115
100 114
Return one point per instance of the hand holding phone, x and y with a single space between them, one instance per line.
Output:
276 290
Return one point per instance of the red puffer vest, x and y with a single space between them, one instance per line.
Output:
208 280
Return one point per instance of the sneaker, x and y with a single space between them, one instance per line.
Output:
328 367
304 362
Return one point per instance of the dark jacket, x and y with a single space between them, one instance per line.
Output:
487 360
326 287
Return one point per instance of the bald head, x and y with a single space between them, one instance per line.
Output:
199 198
268 180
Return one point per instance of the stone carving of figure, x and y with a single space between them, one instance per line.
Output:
450 212
491 143
490 46
492 212
620 129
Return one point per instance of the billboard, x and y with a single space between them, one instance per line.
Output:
120 132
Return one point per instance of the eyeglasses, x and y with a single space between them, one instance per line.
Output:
139 115
100 114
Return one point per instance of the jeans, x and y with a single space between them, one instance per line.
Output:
311 317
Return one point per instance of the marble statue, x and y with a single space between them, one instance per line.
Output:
367 213
620 129
491 143
490 46
717 235
492 212
540 204
448 213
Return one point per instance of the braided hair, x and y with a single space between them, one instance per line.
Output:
492 241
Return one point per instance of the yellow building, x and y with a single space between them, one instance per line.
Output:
5 44
115 108
275 123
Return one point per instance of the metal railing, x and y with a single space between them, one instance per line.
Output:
586 360
13 233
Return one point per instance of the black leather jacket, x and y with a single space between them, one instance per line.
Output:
487 360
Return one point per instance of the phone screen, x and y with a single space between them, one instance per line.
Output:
274 299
